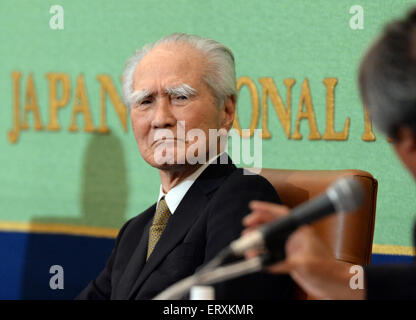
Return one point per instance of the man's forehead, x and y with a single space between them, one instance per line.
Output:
180 54
169 66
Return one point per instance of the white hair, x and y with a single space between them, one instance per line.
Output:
220 69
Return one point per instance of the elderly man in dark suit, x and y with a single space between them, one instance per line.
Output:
178 90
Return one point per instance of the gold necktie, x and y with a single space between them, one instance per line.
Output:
160 220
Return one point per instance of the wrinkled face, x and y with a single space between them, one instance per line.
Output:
172 102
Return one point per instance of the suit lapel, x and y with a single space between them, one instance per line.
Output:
138 259
193 203
178 225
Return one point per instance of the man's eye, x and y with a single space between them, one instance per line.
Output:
181 97
143 103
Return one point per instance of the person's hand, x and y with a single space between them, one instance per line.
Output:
308 259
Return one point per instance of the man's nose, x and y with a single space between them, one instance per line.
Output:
163 116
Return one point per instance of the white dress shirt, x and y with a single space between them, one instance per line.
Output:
175 195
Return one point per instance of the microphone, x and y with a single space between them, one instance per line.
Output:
344 195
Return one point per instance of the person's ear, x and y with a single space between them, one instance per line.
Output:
406 140
405 147
228 112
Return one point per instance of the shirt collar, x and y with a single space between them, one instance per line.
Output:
175 195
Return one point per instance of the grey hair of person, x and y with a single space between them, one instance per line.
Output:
219 72
387 77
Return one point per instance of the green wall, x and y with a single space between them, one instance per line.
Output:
100 180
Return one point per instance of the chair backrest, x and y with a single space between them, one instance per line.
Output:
349 236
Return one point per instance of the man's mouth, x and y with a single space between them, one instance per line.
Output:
168 140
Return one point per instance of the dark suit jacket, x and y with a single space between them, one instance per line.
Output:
391 282
207 219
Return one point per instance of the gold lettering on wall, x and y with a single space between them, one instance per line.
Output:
330 133
107 86
254 106
59 85
31 105
54 103
14 133
309 114
81 106
284 113
368 134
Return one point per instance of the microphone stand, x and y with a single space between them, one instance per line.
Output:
210 276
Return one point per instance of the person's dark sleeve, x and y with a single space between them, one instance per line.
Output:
100 288
391 282
227 210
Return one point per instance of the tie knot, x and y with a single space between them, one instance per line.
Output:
162 214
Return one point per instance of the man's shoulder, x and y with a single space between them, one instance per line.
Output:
247 186
243 178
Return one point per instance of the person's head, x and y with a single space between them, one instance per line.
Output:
179 82
387 81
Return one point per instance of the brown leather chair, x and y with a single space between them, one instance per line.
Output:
349 236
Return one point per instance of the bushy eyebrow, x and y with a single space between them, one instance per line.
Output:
140 95
181 90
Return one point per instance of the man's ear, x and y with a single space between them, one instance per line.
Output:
405 147
406 140
228 112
